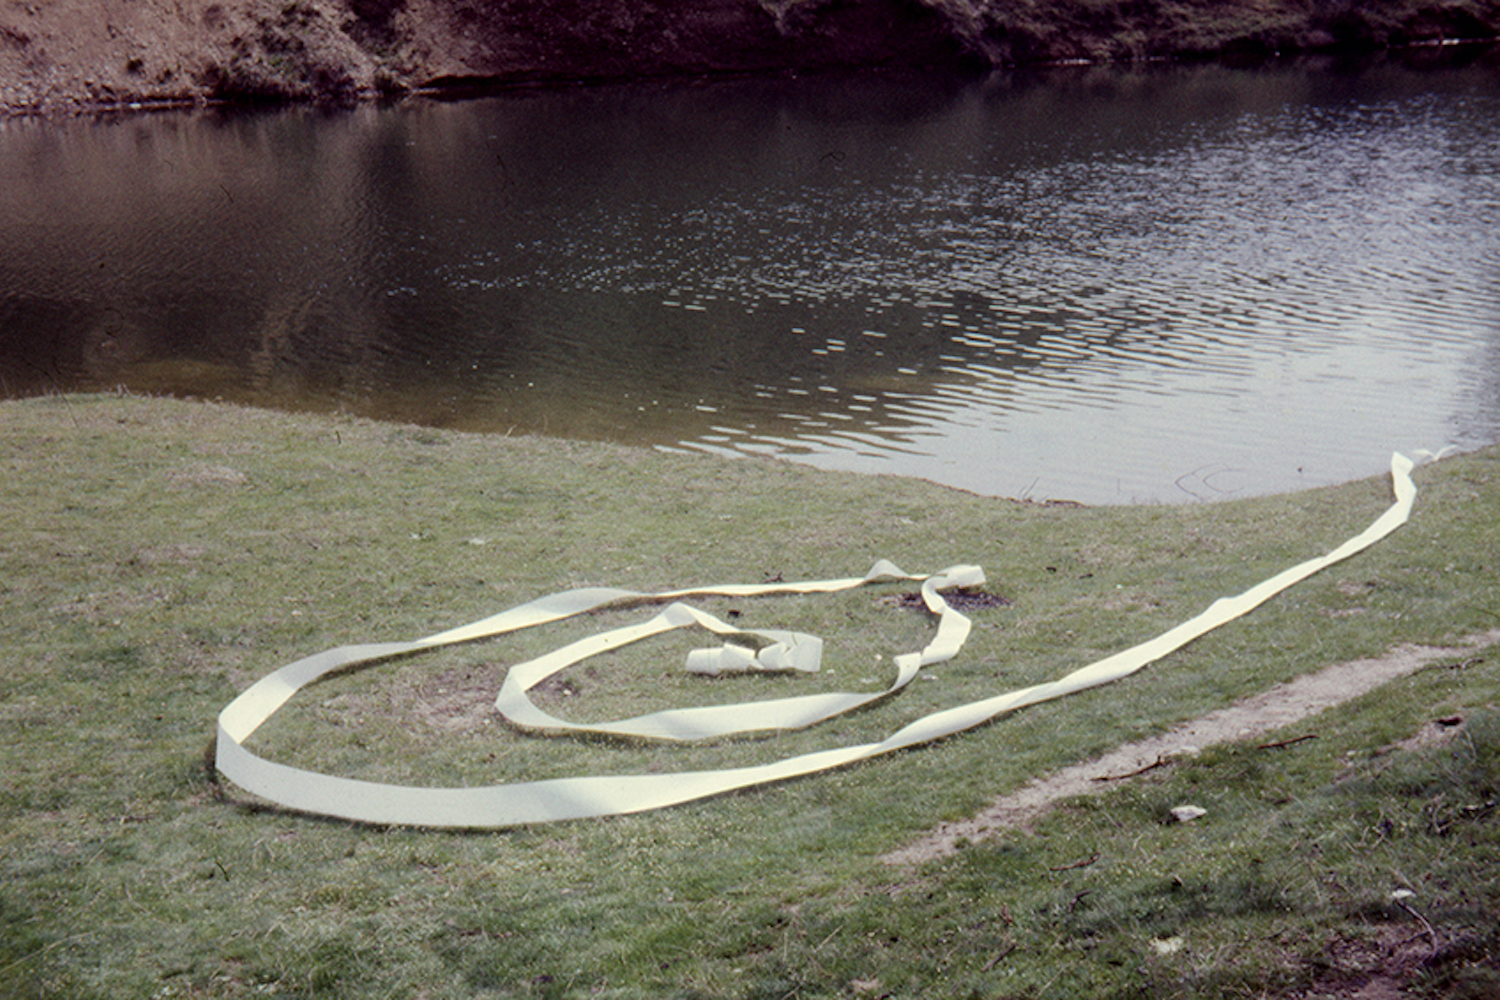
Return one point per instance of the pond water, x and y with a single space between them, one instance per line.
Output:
1166 285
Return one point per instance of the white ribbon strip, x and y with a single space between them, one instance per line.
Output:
607 795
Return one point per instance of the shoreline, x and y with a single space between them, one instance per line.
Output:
77 58
83 107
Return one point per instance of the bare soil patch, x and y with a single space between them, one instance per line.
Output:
967 599
1372 969
460 699
1271 710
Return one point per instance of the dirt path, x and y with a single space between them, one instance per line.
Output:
1280 706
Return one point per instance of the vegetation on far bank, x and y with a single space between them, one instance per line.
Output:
71 55
1046 31
157 556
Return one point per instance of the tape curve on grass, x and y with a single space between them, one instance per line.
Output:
581 797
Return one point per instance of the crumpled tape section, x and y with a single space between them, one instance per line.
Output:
608 795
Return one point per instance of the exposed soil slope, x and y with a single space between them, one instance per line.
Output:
71 54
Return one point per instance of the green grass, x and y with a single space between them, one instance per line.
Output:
157 557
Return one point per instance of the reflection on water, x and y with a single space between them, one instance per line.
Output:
1107 287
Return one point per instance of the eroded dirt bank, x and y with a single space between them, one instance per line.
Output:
60 55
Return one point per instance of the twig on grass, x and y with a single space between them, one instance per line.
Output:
1459 665
1464 814
1280 744
999 957
1161 761
1077 864
1431 934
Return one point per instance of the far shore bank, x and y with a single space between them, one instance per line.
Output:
73 56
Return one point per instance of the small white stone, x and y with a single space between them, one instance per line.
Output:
1401 894
1167 946
1186 814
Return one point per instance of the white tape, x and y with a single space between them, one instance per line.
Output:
606 795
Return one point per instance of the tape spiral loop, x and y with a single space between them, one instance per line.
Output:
607 795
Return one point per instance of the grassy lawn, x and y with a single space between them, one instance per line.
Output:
157 557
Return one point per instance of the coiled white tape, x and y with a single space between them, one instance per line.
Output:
607 795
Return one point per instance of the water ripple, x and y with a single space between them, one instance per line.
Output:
1181 290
